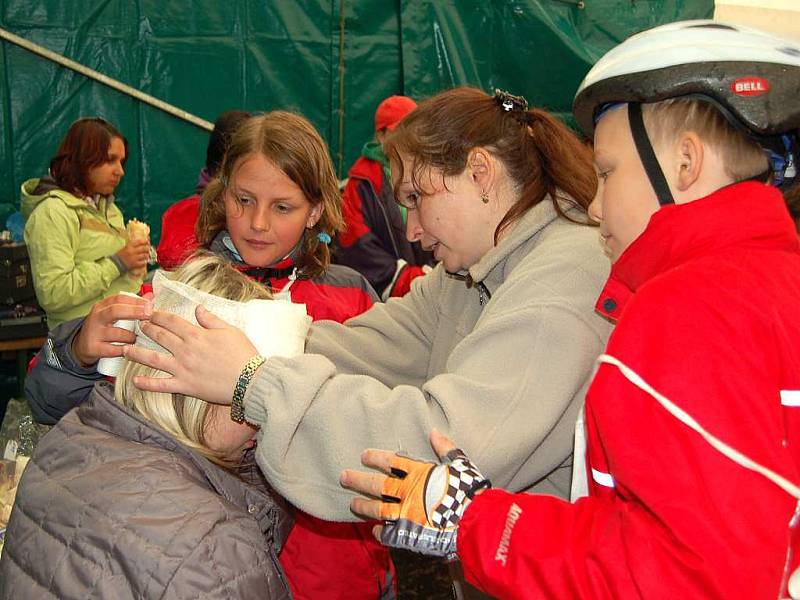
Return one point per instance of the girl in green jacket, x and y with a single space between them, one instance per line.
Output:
75 232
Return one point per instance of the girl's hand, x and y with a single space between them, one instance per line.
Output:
94 339
205 363
135 254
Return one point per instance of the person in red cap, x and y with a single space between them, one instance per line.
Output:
374 241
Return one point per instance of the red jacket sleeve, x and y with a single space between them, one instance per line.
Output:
536 546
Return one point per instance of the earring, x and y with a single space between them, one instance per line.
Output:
484 197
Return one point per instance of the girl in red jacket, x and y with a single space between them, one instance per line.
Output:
272 212
692 429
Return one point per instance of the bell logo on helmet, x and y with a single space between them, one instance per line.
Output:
750 86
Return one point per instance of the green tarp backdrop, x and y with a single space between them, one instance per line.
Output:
331 60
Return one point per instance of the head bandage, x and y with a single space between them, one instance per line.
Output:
275 327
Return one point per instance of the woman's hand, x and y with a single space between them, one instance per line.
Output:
94 339
135 254
205 362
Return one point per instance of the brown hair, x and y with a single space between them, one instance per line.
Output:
294 146
666 120
541 155
84 147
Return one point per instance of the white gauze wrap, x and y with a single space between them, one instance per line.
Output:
275 327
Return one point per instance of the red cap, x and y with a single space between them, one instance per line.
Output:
393 110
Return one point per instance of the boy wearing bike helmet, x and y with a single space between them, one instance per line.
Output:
692 422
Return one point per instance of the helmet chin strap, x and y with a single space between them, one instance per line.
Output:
647 155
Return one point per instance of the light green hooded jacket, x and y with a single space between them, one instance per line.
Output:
70 245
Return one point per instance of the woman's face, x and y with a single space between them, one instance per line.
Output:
448 217
104 178
266 213
229 438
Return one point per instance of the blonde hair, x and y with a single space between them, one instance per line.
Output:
185 417
666 120
296 148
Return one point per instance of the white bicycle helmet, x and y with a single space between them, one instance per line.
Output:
751 76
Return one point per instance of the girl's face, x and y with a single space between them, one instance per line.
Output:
266 213
104 178
228 437
448 217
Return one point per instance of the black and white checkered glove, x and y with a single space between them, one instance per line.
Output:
424 502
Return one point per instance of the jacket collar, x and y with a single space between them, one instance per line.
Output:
222 245
743 214
531 223
102 412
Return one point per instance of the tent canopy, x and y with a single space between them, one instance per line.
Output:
332 61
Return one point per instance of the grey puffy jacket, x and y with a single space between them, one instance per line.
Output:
111 506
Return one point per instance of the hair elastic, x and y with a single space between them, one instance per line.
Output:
324 237
510 102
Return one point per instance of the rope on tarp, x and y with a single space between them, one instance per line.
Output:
106 80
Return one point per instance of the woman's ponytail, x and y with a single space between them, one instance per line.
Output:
553 163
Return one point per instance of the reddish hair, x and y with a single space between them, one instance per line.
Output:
544 159
84 147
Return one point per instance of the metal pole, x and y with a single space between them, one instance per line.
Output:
106 80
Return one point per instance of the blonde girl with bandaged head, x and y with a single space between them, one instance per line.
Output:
197 424
142 494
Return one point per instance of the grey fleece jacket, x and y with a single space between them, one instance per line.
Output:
505 378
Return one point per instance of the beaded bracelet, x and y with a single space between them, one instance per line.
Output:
237 403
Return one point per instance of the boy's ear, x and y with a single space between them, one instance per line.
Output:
690 157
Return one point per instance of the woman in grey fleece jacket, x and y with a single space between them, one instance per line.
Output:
494 347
